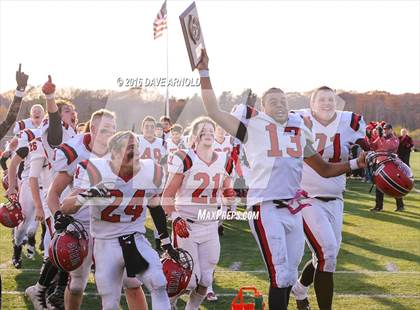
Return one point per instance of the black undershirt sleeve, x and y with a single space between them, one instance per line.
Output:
159 219
55 130
23 152
11 116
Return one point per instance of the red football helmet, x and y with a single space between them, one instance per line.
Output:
178 273
390 174
11 213
69 248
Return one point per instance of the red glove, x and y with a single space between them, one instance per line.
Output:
49 87
180 228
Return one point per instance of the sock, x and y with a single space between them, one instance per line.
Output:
31 240
62 278
308 272
289 289
324 289
48 273
195 301
277 298
300 291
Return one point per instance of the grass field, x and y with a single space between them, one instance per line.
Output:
378 265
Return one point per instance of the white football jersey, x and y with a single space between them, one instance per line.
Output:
23 124
36 150
125 212
154 149
275 153
202 185
225 146
171 147
26 138
68 133
332 142
68 155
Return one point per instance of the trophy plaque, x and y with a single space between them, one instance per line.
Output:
192 34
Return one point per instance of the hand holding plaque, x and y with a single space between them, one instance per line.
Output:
192 34
203 63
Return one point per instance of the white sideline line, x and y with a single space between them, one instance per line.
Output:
384 296
264 271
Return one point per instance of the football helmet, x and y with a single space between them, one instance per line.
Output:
390 175
11 212
69 248
177 273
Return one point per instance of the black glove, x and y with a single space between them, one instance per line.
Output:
21 79
380 131
251 99
61 221
173 253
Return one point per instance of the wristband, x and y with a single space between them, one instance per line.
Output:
165 241
204 73
50 96
19 93
354 164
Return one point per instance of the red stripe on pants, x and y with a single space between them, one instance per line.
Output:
316 246
259 229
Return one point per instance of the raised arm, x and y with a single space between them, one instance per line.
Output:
55 130
230 123
22 81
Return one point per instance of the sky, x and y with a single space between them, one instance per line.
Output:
294 45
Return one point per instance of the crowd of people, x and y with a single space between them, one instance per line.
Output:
290 165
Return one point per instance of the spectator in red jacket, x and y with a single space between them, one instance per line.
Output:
405 146
386 141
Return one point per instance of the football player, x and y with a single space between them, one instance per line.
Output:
150 146
34 121
276 144
58 127
197 178
166 123
27 229
118 217
175 141
334 132
67 156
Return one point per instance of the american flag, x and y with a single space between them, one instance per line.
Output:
160 23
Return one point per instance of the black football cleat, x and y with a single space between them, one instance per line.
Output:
303 304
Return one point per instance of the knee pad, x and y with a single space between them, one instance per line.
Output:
206 278
329 260
77 284
158 282
131 282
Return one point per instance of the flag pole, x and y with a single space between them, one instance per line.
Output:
167 62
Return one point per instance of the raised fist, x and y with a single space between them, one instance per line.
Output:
49 87
204 61
21 79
